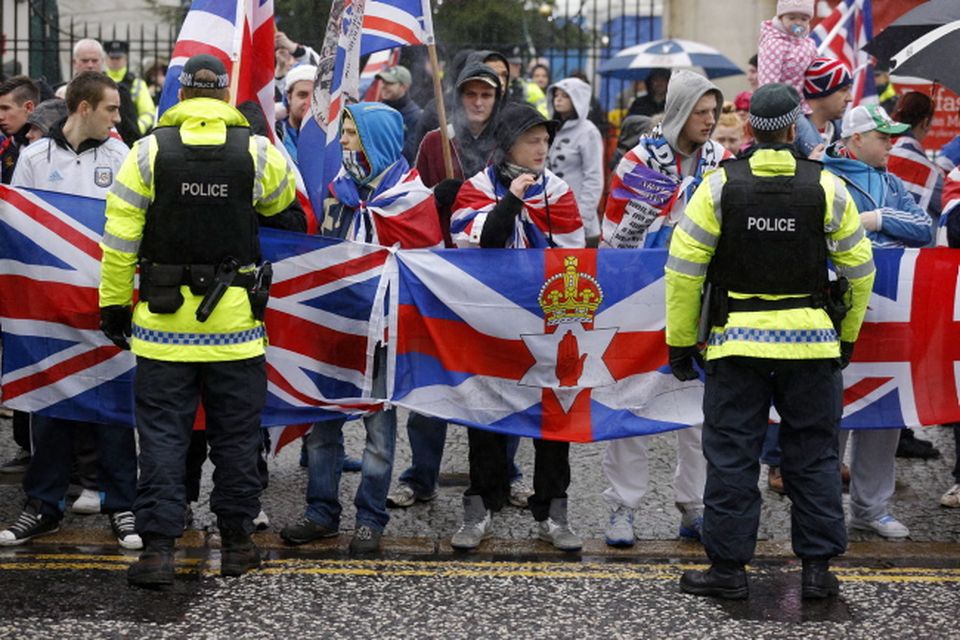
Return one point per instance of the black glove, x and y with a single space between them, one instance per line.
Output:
846 353
115 324
445 193
681 362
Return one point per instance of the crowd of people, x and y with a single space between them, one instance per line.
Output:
795 167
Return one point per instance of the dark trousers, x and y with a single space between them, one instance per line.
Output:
956 448
21 429
167 395
48 476
491 471
736 402
197 455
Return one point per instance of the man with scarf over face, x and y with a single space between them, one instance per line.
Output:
648 193
377 199
516 203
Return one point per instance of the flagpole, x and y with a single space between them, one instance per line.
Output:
235 54
845 11
441 112
431 42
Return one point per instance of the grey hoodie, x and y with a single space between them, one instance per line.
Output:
685 89
576 154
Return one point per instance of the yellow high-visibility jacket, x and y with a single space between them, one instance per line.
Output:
231 332
146 110
804 333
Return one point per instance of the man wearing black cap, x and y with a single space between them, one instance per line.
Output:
770 339
117 52
184 207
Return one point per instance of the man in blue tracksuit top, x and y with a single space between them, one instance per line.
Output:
888 212
891 218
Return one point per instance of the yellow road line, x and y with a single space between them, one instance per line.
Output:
456 569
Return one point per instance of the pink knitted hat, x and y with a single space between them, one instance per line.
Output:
795 6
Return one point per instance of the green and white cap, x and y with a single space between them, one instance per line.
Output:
870 117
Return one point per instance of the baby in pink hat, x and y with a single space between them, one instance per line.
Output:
786 49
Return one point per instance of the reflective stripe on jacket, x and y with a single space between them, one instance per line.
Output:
804 333
231 332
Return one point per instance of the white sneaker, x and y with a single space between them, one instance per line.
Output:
262 521
951 498
620 529
885 526
477 524
87 502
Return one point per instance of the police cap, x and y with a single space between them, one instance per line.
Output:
774 106
116 48
204 62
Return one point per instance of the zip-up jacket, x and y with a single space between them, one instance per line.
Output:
51 164
799 333
231 332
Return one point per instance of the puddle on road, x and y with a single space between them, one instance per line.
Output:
775 597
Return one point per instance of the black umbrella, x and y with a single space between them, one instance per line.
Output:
910 26
931 56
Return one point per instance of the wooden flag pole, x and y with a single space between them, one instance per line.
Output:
441 112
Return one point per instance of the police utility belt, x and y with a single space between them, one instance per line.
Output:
160 285
717 305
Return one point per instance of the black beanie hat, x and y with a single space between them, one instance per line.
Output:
514 119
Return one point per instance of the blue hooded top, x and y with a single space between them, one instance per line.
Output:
381 135
902 222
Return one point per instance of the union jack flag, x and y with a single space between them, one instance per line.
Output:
238 32
355 28
905 364
324 319
241 34
842 35
55 359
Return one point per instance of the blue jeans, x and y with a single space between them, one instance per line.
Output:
48 476
427 436
325 464
770 453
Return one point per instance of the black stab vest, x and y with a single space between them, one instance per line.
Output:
202 212
772 239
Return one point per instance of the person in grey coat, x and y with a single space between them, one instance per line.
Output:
576 155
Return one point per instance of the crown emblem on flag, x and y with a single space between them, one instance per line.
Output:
570 296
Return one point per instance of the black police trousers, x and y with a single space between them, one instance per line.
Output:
808 396
166 399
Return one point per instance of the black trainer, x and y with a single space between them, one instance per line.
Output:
910 446
365 540
306 531
817 582
29 524
728 581
238 553
155 568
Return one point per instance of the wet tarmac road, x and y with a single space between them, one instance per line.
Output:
49 592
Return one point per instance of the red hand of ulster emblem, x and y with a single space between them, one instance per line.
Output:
569 361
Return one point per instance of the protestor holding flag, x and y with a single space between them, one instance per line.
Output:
376 198
184 206
517 203
648 194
